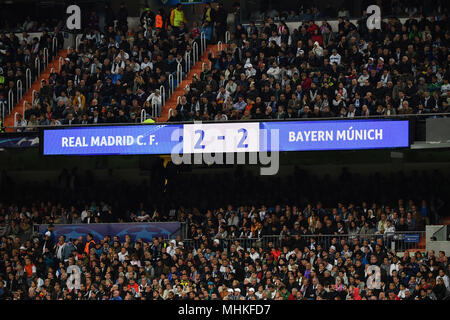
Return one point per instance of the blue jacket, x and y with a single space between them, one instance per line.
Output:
207 31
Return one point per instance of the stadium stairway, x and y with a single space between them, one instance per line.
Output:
171 103
36 85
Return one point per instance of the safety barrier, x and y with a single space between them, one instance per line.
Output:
15 119
398 241
179 74
170 112
195 57
203 42
178 100
143 115
171 84
19 89
227 36
187 61
28 81
37 66
10 100
55 45
162 91
45 58
219 46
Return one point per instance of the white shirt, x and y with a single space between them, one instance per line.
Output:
145 65
122 256
445 88
254 256
445 279
275 72
335 58
83 214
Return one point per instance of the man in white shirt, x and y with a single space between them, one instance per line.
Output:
122 254
274 71
146 63
335 57
156 99
254 254
444 278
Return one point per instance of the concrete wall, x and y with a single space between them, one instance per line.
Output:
436 245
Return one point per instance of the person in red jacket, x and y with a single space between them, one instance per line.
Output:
133 285
317 36
311 27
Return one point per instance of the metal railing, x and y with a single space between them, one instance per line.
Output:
15 119
28 81
195 57
162 91
19 88
143 115
203 42
187 61
37 66
398 241
10 100
171 85
227 36
178 100
45 58
170 113
55 45
219 46
179 74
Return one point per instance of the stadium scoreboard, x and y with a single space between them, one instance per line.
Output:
226 137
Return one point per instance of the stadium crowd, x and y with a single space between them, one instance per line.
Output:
305 251
115 73
271 72
215 264
265 71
